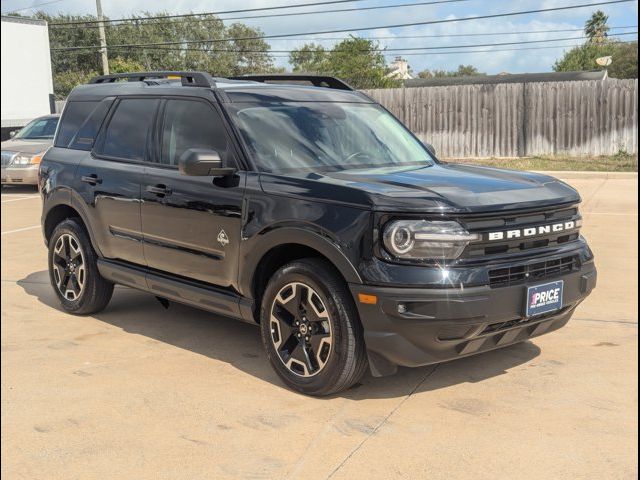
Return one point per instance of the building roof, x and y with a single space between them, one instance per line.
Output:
508 78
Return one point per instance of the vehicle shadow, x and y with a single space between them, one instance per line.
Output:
239 344
18 189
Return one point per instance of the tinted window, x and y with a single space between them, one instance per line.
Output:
84 138
190 124
128 129
326 136
42 128
75 113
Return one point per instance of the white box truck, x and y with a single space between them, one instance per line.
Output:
27 82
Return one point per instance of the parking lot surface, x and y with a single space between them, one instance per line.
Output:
140 392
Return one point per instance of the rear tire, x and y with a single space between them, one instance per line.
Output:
73 270
311 330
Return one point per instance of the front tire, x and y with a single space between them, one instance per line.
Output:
73 270
311 330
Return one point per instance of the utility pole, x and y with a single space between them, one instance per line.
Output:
103 39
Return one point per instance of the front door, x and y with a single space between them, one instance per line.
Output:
191 225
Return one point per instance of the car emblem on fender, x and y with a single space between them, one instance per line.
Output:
223 239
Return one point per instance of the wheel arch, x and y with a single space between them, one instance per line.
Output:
275 249
58 213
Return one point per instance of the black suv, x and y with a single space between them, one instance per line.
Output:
299 204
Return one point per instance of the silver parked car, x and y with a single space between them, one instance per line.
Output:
21 154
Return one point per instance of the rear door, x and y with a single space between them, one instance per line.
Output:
111 178
191 225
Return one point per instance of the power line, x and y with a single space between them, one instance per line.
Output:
501 49
15 10
446 35
383 50
359 29
186 15
161 49
291 14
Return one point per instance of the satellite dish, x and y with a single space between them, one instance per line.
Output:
604 61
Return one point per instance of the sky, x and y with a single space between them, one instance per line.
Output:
506 29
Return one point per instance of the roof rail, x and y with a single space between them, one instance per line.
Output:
189 79
315 80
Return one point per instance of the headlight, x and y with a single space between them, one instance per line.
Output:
25 160
21 160
422 239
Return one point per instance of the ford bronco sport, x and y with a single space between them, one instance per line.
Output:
301 205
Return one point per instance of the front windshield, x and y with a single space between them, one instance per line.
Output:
40 128
319 136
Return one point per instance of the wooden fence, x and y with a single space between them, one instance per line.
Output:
520 119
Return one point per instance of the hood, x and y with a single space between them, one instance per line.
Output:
437 188
26 146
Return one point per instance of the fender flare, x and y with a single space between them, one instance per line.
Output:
293 235
66 198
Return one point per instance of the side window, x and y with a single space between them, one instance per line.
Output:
86 135
190 124
75 113
128 130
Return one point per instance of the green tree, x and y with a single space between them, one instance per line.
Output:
311 58
227 54
624 58
462 71
357 61
124 65
596 27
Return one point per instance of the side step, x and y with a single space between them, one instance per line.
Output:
195 294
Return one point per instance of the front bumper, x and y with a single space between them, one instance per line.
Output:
20 175
420 326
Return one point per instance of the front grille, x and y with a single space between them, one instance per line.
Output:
504 277
520 221
500 326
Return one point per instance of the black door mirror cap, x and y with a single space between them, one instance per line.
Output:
200 162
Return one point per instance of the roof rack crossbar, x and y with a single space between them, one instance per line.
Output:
315 80
189 79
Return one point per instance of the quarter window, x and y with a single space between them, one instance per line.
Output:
190 124
75 113
128 131
83 140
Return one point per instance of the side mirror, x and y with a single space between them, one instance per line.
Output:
12 133
198 162
429 148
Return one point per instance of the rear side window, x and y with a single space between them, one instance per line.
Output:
75 114
86 135
190 124
128 130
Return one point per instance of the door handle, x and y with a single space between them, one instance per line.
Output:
92 179
160 190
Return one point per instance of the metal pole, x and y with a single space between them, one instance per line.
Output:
103 39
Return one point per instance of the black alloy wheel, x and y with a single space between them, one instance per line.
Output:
68 267
310 328
301 329
73 270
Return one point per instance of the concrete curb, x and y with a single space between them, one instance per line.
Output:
578 175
